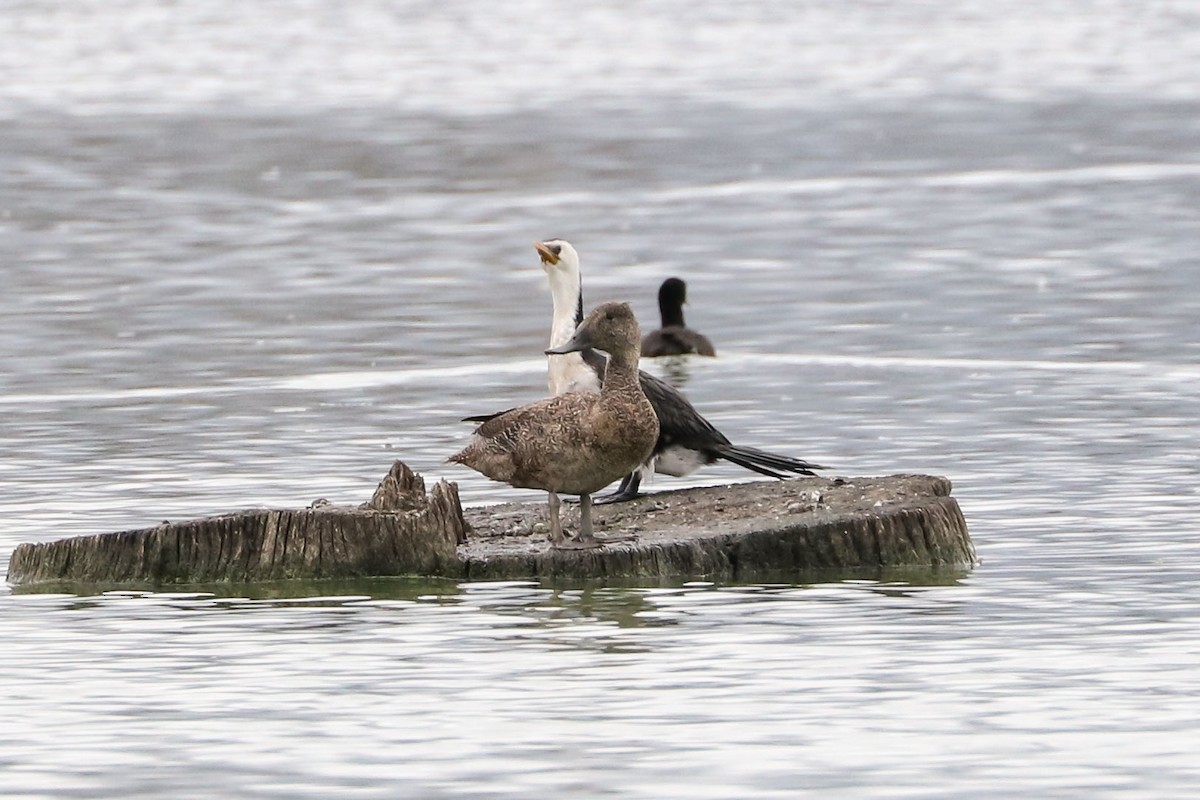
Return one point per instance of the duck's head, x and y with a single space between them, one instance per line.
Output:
610 327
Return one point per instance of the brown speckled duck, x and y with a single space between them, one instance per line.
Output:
575 443
674 338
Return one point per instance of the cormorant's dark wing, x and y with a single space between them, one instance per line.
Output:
681 425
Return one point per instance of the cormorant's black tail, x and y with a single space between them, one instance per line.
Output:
765 463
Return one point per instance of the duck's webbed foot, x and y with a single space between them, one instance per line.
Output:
592 542
585 539
578 543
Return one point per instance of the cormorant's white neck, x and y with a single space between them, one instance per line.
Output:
567 373
566 290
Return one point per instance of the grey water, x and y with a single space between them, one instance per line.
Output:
252 253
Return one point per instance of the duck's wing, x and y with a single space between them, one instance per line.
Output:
701 345
542 417
676 341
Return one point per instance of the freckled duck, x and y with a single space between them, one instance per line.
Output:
579 442
686 440
674 338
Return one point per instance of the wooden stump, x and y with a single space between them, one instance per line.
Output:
744 531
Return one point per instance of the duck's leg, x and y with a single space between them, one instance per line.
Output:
585 539
628 490
556 531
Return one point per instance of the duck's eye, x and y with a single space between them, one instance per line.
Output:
555 248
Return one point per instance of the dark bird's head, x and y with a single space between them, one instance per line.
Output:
673 292
671 297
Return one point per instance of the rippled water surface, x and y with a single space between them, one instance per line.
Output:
252 253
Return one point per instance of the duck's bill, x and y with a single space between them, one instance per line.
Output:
580 341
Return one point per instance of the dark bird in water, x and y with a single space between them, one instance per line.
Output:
674 338
575 443
686 440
